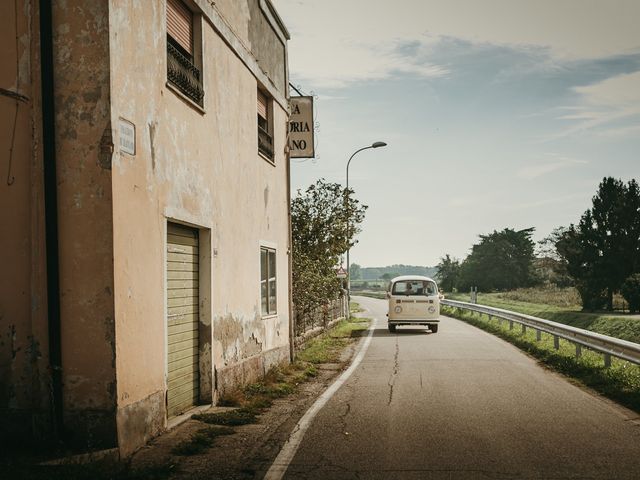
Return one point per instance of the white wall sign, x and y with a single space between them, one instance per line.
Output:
301 140
127 136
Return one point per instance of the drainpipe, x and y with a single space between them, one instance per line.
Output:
51 214
292 334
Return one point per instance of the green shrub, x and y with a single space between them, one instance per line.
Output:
631 292
593 296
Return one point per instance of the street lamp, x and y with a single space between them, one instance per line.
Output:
373 145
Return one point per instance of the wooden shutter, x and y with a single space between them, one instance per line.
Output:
262 105
180 24
182 321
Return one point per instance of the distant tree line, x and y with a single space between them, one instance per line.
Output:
388 272
502 260
600 255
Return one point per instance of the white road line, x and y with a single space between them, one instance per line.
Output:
289 449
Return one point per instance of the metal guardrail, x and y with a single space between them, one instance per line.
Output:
608 346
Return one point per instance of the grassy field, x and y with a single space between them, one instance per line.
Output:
562 306
369 284
368 293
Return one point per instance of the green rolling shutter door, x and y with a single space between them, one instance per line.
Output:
182 318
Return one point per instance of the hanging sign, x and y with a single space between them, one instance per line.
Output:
301 141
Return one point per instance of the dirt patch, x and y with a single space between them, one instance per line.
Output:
247 453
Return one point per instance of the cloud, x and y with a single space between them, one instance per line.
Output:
616 99
335 43
628 131
343 61
542 202
559 162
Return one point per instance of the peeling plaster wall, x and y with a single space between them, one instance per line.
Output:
253 29
81 67
83 149
23 329
237 16
201 168
267 47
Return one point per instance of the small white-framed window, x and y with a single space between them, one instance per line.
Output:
268 291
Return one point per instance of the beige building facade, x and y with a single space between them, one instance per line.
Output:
145 212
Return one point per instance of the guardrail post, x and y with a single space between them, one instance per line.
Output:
510 324
556 342
490 317
538 335
578 350
607 360
524 329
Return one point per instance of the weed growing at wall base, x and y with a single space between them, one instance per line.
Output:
201 440
328 347
620 382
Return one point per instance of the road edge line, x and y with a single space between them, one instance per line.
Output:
287 452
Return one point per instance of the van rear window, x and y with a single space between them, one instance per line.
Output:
414 287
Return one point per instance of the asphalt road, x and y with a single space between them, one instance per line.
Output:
462 404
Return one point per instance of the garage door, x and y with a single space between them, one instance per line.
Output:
182 318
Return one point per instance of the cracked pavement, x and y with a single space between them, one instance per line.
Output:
394 374
459 404
462 404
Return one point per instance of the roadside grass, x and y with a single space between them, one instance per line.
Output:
619 326
201 440
279 382
370 294
328 347
620 382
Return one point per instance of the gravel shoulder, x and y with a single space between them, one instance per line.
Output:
247 453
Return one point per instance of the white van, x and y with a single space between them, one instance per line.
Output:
413 300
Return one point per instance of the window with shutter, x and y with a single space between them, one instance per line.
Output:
180 25
183 69
265 134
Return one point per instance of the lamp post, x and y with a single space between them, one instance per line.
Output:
346 193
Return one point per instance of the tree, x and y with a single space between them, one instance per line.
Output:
550 267
631 292
319 236
501 261
355 271
448 273
604 248
577 246
615 212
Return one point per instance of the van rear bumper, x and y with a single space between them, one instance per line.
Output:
413 321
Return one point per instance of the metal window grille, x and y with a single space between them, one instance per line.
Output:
182 71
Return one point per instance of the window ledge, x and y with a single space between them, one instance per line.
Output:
185 99
272 161
271 315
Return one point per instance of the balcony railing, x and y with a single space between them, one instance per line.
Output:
182 73
265 143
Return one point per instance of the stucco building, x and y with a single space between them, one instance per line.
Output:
144 200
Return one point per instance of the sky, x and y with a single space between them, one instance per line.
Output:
497 113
